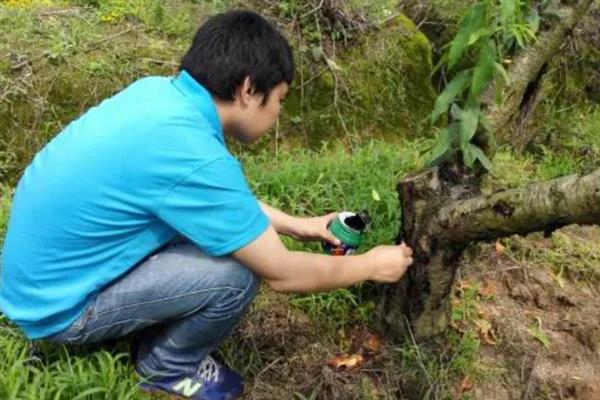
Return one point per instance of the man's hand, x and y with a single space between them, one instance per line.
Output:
389 263
314 228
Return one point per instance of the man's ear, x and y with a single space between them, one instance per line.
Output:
244 92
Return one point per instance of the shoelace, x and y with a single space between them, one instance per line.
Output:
208 369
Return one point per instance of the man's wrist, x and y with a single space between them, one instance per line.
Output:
362 261
291 226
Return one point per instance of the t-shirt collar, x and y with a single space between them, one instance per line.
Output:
201 98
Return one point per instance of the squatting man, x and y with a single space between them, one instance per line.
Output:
136 217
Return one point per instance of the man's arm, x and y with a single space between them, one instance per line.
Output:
311 228
294 271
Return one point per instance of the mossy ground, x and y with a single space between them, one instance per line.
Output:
283 345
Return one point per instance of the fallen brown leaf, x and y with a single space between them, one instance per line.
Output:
499 248
485 331
347 362
465 385
459 326
490 338
482 311
488 289
372 343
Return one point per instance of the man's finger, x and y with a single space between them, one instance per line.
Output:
331 239
407 250
331 216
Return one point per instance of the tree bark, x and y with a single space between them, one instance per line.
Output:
441 218
526 72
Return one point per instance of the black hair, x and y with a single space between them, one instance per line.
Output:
234 45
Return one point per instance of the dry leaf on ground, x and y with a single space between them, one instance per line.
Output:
347 362
499 248
488 289
372 343
465 385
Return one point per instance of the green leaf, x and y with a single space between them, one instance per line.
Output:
502 72
485 122
468 154
481 157
533 19
469 120
508 10
317 53
375 195
89 392
539 334
455 111
443 144
453 89
472 153
478 34
519 38
473 20
484 69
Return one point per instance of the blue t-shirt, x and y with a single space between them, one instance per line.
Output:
116 184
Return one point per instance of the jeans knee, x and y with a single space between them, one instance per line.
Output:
239 287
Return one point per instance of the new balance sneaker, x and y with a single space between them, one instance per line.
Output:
212 381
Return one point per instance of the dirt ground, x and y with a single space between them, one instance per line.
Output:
294 352
541 339
531 299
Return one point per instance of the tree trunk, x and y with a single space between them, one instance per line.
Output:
420 300
443 211
442 217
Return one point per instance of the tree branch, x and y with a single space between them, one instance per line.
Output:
543 206
527 68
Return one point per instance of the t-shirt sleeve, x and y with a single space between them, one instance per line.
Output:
214 208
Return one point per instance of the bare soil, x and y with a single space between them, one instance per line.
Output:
529 299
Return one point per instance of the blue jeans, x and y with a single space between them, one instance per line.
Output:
193 302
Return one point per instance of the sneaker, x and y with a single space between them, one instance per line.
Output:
212 381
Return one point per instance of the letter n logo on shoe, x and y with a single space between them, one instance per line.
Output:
187 387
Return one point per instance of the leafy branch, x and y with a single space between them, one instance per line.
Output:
490 31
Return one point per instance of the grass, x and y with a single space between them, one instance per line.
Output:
52 55
568 254
5 195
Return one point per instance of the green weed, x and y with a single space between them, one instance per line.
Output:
569 253
5 196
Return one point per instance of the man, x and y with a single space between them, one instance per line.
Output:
137 216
